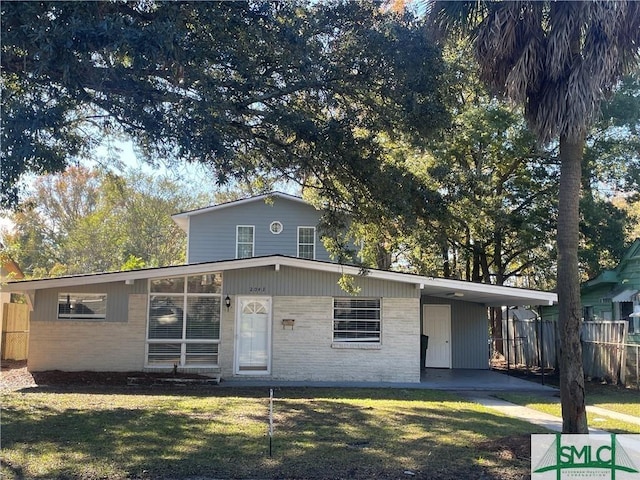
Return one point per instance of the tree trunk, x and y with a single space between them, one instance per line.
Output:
574 418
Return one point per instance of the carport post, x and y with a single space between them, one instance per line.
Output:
508 345
541 342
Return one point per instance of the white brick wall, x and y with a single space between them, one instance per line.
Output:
306 353
302 353
84 345
227 340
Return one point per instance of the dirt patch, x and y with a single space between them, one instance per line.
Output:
15 376
514 447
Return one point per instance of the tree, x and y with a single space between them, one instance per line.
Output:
297 88
610 169
84 221
558 59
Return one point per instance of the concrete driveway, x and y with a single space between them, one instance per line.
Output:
477 380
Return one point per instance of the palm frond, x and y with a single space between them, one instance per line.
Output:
455 18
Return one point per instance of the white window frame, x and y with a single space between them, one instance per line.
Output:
276 225
356 340
253 240
82 316
306 244
183 341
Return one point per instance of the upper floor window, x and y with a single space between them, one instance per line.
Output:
275 227
307 242
244 241
82 306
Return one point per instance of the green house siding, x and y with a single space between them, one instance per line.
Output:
612 295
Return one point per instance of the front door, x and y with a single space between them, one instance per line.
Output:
253 339
436 324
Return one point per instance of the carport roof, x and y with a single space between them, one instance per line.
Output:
486 294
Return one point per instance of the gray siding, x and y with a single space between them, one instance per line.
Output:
46 304
300 282
212 235
469 333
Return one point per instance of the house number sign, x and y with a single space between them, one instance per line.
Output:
257 289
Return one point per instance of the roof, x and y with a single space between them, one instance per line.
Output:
182 219
490 295
613 277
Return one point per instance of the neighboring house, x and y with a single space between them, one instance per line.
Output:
259 297
614 294
9 270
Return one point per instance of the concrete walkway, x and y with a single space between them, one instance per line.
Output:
530 415
540 418
618 416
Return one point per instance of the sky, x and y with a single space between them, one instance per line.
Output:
121 156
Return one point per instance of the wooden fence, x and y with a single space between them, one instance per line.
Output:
15 331
534 344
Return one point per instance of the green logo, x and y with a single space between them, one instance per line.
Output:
585 453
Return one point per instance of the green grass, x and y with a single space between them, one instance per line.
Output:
551 405
318 433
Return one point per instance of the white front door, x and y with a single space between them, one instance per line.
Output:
436 324
253 335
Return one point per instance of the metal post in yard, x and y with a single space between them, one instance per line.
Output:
270 422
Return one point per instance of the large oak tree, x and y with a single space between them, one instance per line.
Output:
297 88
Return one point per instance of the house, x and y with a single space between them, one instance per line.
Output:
259 297
9 270
613 294
14 343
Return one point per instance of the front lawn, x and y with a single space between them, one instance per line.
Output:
222 433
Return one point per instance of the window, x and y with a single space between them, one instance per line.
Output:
184 320
244 241
307 242
82 306
275 227
356 320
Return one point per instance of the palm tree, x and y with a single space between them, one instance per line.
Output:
559 60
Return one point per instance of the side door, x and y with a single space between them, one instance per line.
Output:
436 324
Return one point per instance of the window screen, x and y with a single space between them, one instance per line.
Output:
356 320
82 306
